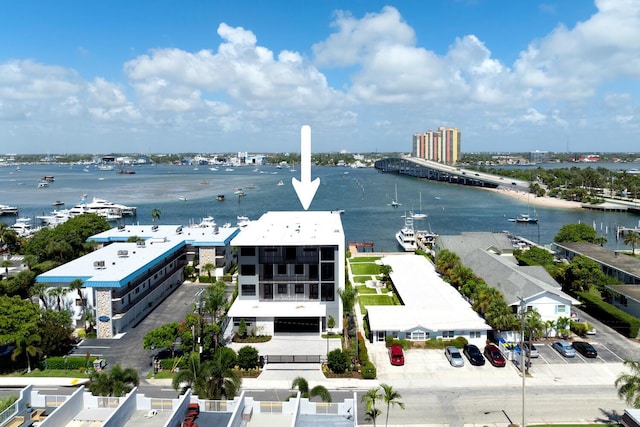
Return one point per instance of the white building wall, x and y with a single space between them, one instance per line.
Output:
550 306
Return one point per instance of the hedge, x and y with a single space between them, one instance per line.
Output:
67 363
610 315
368 371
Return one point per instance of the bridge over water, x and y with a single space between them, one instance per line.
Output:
421 168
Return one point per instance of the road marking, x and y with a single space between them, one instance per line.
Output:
611 351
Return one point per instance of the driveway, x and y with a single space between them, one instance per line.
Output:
127 350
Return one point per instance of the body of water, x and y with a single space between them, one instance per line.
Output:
184 195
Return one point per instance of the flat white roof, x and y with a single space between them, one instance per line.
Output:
295 228
122 263
193 234
254 308
430 302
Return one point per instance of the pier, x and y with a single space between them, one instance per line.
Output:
354 247
621 230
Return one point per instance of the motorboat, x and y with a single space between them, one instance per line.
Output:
8 210
280 183
406 237
525 219
104 167
43 184
125 172
243 221
110 211
57 203
54 218
23 227
48 178
220 197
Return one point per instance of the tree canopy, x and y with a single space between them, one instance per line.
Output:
577 233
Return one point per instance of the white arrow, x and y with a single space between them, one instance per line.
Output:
305 188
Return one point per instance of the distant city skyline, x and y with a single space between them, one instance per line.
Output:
219 77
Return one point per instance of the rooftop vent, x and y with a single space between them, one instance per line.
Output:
121 227
99 265
179 230
140 244
123 253
154 228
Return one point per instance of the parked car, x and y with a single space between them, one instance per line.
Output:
396 355
585 349
494 356
564 348
474 354
531 352
453 356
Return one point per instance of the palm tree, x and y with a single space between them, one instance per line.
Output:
303 386
76 285
390 397
155 215
40 289
27 344
211 379
58 292
369 398
117 382
6 264
632 238
208 267
629 383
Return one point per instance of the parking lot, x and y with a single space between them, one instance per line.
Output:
549 355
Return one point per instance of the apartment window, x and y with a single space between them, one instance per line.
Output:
282 288
248 251
418 335
282 269
447 334
268 271
475 334
268 291
299 269
299 288
327 271
561 308
313 291
248 290
290 253
327 254
327 292
78 302
248 269
313 272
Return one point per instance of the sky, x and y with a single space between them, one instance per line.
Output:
161 76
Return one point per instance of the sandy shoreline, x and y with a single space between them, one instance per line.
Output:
547 202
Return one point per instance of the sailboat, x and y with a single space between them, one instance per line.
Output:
394 203
526 218
419 214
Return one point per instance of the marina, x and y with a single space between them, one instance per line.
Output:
361 195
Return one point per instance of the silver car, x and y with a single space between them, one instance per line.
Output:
564 348
454 356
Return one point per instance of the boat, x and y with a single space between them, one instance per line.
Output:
125 172
8 210
220 197
43 184
207 222
280 183
23 227
213 169
243 221
228 170
525 219
48 178
55 218
57 203
104 167
182 198
239 193
110 211
406 237
419 214
394 203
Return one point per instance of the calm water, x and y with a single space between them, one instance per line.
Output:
364 194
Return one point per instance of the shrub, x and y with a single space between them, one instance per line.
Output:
242 328
434 343
369 371
622 322
457 342
338 361
363 354
248 357
579 328
72 363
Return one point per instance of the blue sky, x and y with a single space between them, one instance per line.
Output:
218 76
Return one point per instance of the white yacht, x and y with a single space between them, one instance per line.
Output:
406 237
23 227
8 210
109 210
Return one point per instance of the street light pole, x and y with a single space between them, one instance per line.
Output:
523 369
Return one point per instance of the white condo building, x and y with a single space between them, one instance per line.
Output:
290 269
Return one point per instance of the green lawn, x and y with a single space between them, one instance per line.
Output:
361 279
366 268
58 373
364 259
365 300
365 290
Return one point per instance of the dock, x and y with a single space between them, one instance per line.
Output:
355 247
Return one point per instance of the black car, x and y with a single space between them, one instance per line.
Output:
585 349
474 354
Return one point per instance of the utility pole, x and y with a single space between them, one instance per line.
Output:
523 369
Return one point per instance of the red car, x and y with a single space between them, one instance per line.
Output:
396 355
494 356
